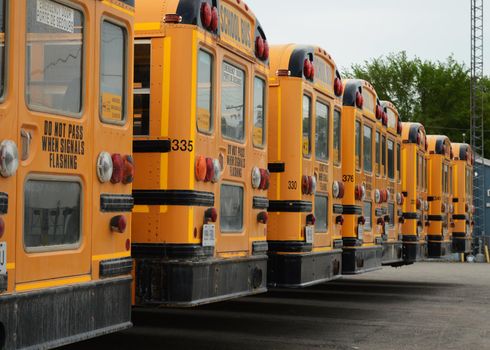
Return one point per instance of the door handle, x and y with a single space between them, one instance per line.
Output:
26 143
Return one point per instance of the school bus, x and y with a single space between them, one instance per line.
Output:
392 239
305 199
200 220
361 233
66 170
439 195
461 226
414 191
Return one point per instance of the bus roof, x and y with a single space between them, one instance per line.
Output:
437 142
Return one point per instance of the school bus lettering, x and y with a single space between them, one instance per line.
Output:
64 142
55 15
235 28
182 145
236 160
111 107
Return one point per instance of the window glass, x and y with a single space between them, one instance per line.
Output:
398 162
358 144
321 213
232 102
259 112
391 214
337 136
54 61
378 152
419 169
3 41
368 149
391 159
231 212
383 155
368 215
142 65
205 92
306 126
113 73
322 131
52 212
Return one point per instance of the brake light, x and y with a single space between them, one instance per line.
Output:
308 70
128 176
2 227
117 168
210 215
310 219
443 208
104 167
262 217
201 168
264 179
9 158
128 244
214 19
361 220
399 127
209 170
338 88
379 112
259 47
304 184
339 220
119 224
206 14
359 100
265 57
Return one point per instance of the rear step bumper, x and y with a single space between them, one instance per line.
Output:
462 244
191 282
295 270
58 316
413 250
438 249
392 253
359 259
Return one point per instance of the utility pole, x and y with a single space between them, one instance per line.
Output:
477 131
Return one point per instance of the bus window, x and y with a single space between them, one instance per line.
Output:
391 214
321 213
368 206
337 134
113 74
378 152
383 155
232 102
358 145
425 173
398 162
231 213
54 60
322 131
368 149
52 215
3 43
259 113
142 65
205 92
306 126
391 159
419 167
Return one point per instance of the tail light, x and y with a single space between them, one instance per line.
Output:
338 88
419 203
358 192
308 69
381 221
256 178
259 47
172 18
201 168
206 15
9 158
264 179
104 167
128 170
209 170
359 100
466 208
214 19
361 220
399 198
117 168
399 127
385 119
310 219
119 224
342 190
128 244
443 208
379 112
339 220
262 217
313 184
305 184
2 227
336 189
265 57
210 215
377 196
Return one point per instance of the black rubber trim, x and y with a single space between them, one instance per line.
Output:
151 146
455 200
405 194
410 238
459 235
173 197
437 238
260 247
289 246
352 210
463 149
297 59
3 283
459 216
290 206
116 203
350 90
411 216
172 251
439 148
351 242
338 243
276 167
260 203
338 209
413 132
115 267
4 203
436 218
431 199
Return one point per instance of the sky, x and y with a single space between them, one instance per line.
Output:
353 31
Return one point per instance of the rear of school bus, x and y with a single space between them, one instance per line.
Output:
199 229
392 239
305 214
64 109
462 214
362 250
413 166
439 195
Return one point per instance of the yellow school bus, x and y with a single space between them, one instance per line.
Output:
305 199
200 221
66 170
462 207
361 233
392 239
439 195
414 190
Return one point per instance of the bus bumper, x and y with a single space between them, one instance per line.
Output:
461 243
192 282
296 270
413 250
361 259
53 317
438 248
393 253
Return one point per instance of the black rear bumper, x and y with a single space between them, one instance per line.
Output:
191 282
392 253
295 270
461 243
359 259
414 250
58 316
438 249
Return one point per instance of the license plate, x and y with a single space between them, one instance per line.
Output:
310 230
208 236
3 258
360 231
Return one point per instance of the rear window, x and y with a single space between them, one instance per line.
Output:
231 212
322 131
391 214
259 113
306 126
321 213
391 159
368 206
358 144
368 149
232 102
52 214
205 92
336 137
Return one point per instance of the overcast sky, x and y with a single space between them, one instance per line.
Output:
355 30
